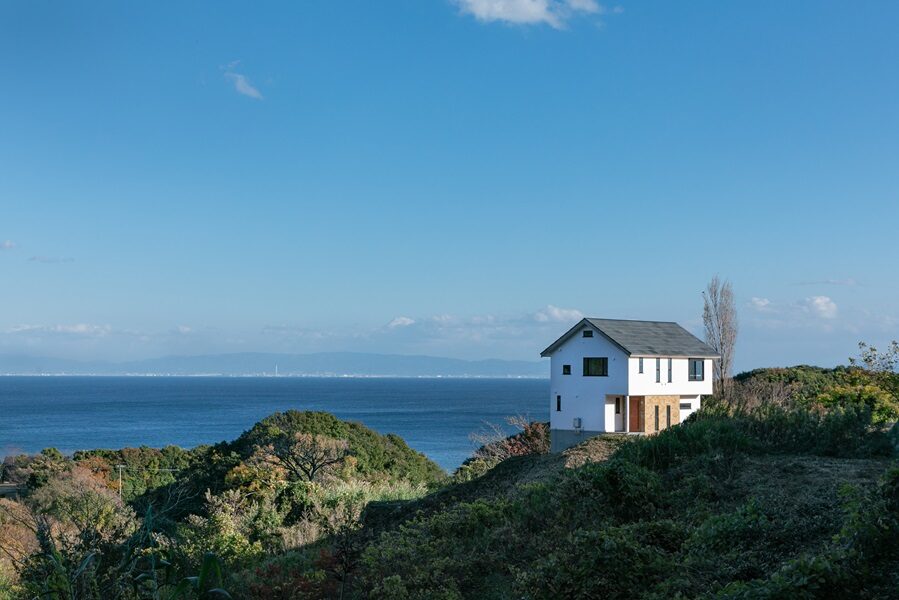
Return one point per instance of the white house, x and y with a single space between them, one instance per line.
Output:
613 375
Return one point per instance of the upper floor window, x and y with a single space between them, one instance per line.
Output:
596 367
640 365
697 369
588 333
658 370
669 370
566 369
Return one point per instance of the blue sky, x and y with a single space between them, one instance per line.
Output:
458 178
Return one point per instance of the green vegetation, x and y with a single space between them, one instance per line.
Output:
188 522
688 513
787 487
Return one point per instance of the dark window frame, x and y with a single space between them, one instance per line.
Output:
668 415
657 417
558 403
617 405
588 333
658 370
566 369
603 368
640 365
670 370
693 374
686 406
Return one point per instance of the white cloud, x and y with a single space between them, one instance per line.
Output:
529 12
401 322
554 314
7 245
821 306
848 282
50 260
243 86
760 304
77 329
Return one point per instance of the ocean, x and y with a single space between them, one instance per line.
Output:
434 416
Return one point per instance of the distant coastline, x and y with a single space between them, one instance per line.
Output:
254 364
270 376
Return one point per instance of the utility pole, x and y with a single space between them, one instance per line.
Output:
120 467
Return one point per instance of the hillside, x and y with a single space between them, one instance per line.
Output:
792 496
717 508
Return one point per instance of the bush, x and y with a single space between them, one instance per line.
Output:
375 456
612 563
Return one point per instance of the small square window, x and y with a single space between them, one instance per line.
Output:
596 367
588 333
566 369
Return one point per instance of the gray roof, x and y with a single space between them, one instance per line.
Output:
643 338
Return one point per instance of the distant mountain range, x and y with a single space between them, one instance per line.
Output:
327 364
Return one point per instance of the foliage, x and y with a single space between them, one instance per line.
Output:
764 498
226 531
34 471
495 445
685 513
869 384
143 469
375 455
304 456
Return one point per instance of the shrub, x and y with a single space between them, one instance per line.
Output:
375 456
611 563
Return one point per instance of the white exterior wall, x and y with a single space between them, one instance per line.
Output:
644 384
694 401
585 397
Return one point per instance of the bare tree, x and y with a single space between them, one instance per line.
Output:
719 314
495 444
876 361
305 455
755 392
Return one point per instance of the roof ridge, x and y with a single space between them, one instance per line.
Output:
629 320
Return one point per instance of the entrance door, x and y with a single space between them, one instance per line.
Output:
636 414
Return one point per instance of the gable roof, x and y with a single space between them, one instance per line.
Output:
643 338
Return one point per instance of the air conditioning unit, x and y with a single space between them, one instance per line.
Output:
577 424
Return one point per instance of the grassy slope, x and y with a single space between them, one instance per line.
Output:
551 526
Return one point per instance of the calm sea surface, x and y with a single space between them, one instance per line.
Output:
434 416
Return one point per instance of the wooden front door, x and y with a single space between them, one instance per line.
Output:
634 414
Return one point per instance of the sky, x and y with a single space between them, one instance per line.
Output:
460 178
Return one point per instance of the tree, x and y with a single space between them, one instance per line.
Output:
876 361
719 314
304 456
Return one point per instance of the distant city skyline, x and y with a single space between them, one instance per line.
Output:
455 178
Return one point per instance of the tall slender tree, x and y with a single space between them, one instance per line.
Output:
719 314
